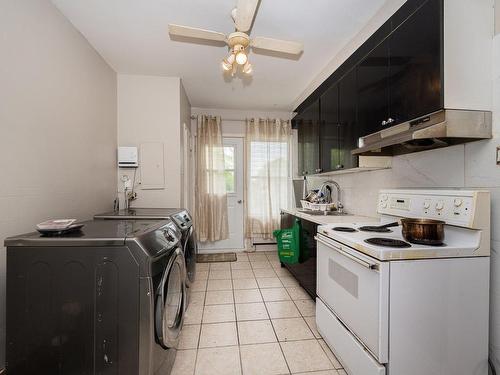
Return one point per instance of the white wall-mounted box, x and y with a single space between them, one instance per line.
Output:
152 166
128 157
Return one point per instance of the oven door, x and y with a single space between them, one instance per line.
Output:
356 288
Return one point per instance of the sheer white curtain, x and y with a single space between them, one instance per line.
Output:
267 175
211 196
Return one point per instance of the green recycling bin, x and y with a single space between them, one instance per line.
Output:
289 243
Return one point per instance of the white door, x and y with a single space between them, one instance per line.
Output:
233 156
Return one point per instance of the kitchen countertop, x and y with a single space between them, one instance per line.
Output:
322 220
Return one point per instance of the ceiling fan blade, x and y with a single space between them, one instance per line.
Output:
194 32
270 44
245 13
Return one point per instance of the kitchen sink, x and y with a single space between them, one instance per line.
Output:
323 213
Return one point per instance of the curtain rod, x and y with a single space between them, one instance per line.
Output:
194 117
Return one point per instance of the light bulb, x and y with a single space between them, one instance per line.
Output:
247 69
227 64
241 58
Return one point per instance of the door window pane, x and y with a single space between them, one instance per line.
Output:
229 173
229 177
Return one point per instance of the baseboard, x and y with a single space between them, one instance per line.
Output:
211 251
265 246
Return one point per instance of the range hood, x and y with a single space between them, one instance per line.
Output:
439 129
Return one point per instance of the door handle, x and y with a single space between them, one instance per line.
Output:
240 201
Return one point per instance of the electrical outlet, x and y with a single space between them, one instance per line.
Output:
131 196
498 155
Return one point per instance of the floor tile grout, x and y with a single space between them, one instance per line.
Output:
276 335
263 302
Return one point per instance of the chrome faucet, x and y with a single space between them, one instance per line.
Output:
327 194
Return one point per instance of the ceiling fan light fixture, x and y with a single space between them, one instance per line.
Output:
227 63
241 58
226 66
238 41
247 68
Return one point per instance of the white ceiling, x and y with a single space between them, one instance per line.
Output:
132 37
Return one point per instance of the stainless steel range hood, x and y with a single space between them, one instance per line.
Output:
439 129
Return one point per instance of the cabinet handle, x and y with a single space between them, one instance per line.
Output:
318 170
390 120
384 123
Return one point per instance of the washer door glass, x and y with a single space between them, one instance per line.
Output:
170 304
173 300
191 252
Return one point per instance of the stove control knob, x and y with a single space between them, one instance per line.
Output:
427 205
439 206
384 197
383 204
458 202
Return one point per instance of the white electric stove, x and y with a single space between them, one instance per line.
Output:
387 306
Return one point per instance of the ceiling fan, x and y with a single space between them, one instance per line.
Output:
239 41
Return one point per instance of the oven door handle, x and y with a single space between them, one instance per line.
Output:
364 263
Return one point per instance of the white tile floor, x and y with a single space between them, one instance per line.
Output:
250 317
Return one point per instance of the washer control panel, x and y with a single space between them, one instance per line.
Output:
456 207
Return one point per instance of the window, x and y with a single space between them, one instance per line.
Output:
268 175
229 173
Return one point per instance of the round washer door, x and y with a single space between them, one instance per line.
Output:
190 253
170 302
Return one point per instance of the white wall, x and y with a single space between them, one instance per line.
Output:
152 109
57 122
497 16
472 165
187 161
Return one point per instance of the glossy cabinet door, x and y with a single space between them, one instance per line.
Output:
304 271
330 140
349 130
415 64
308 139
373 89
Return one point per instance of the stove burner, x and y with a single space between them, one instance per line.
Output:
388 242
372 228
344 229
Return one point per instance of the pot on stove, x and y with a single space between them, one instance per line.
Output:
423 231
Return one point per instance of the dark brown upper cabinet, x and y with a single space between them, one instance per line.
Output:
415 64
373 89
330 130
349 130
308 124
400 79
395 76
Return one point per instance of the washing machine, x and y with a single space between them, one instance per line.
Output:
180 216
109 299
184 221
